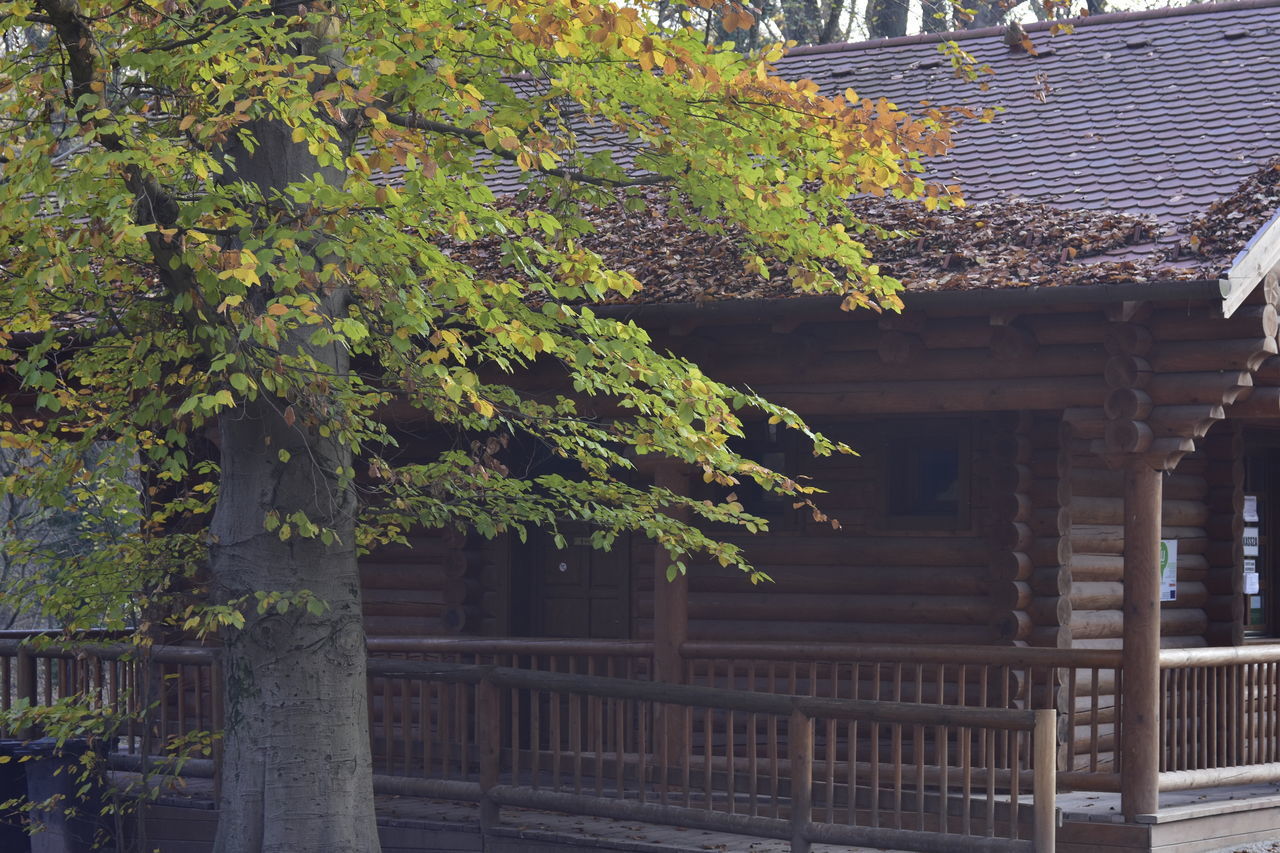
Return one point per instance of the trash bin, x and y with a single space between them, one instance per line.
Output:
13 789
54 770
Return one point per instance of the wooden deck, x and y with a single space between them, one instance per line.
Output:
184 819
1220 820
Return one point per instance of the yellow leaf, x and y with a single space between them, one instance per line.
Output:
186 122
277 308
386 66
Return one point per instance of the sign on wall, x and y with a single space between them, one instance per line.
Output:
1168 569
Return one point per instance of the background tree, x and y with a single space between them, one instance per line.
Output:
246 222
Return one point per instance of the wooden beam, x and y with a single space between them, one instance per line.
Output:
670 621
1140 705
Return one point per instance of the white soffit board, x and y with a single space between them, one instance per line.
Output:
1258 257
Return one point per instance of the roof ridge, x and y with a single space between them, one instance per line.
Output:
1037 26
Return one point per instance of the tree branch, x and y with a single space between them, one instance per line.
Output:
414 122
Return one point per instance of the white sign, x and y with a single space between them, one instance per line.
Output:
1250 583
1168 569
1251 508
1251 541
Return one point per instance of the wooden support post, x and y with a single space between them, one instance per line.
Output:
1044 782
489 743
218 710
1140 694
27 688
670 624
800 753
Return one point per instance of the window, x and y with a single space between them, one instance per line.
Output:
926 476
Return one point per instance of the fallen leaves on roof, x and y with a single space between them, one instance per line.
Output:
1229 222
988 245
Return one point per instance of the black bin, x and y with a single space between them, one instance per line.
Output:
13 789
55 770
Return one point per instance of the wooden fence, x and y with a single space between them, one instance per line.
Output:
758 764
1220 716
1220 712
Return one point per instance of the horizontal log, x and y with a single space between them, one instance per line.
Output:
1051 580
1050 551
1097 539
1010 536
1225 582
885 551
920 608
1127 371
1097 595
376 576
1010 566
1051 521
1184 421
1229 526
1013 595
1268 372
1248 321
1130 338
1050 636
1013 343
839 632
1050 492
1110 511
1012 506
1087 421
1096 567
1098 624
895 347
1225 608
968 395
1050 610
1109 539
1011 478
1263 403
404 626
868 580
1190 356
1109 595
1182 389
1048 463
1107 482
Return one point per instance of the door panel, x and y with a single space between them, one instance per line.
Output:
582 592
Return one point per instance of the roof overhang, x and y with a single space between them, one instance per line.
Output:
819 308
1258 258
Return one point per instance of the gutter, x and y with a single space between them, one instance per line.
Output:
801 308
1258 258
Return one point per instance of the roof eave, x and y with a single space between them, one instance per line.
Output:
1259 257
824 307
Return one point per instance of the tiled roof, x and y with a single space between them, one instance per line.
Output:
1110 144
1158 113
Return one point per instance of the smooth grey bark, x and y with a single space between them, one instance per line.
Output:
297 772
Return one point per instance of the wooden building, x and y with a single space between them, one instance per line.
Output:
1085 383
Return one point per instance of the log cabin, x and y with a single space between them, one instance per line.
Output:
1084 383
1067 498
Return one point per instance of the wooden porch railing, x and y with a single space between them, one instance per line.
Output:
1220 713
759 764
1081 684
1220 708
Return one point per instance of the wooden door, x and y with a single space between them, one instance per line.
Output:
582 592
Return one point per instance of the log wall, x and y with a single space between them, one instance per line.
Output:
861 582
1097 542
442 583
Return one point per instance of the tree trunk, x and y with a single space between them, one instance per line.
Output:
297 769
886 18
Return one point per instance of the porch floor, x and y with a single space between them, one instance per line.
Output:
415 825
